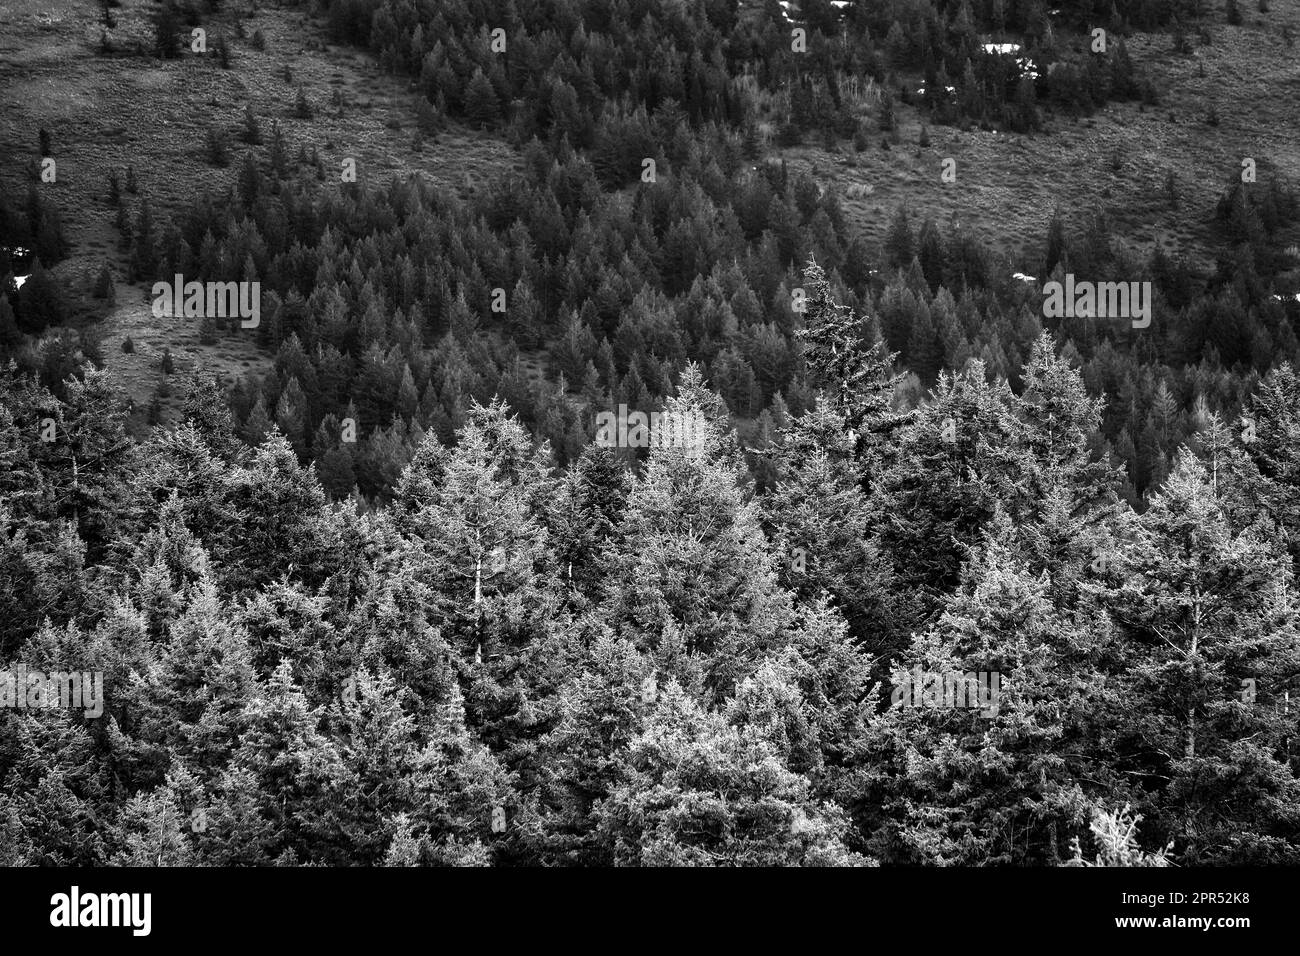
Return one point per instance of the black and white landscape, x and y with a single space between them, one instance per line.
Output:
649 433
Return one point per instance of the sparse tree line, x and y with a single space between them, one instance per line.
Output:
582 70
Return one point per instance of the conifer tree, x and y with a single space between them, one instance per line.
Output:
703 793
821 528
481 105
1210 617
959 460
856 375
699 593
1005 776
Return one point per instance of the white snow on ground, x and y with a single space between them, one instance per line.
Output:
19 280
1023 278
1026 65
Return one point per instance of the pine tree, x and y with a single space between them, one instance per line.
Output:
699 594
485 553
600 712
150 832
1064 435
40 301
216 147
583 518
822 528
991 779
1274 439
481 105
167 27
1056 246
1209 616
959 459
855 374
456 787
193 700
252 129
303 780
899 240
235 831
703 793
86 470
104 288
51 791
282 526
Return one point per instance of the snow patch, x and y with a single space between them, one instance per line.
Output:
1027 66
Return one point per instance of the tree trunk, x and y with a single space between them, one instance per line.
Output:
1196 638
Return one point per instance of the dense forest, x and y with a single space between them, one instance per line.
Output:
661 667
391 602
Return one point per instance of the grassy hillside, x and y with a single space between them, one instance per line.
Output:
1008 184
106 112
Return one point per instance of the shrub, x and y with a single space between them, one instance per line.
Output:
166 26
252 131
216 146
104 284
